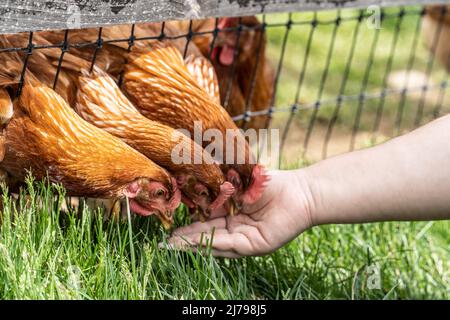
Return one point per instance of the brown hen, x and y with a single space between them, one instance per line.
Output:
238 93
436 32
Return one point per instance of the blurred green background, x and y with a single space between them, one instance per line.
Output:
399 45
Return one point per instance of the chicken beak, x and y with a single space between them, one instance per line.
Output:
202 217
233 207
204 214
198 213
166 219
166 224
116 210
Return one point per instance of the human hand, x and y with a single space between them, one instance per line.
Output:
282 213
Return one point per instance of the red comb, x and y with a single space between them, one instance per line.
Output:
176 198
223 23
187 202
214 53
259 182
226 191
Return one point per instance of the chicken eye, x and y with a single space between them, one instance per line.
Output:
160 192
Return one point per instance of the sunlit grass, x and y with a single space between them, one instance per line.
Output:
49 254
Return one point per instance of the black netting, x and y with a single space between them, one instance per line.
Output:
338 82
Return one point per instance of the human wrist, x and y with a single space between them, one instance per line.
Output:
307 208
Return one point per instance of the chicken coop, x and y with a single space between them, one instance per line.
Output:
331 76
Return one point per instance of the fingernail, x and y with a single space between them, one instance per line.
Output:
167 246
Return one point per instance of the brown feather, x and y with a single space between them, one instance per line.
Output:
202 70
161 87
6 106
102 103
436 33
47 136
251 60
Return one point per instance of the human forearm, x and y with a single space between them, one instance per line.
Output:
407 178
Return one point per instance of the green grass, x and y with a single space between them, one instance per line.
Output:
49 254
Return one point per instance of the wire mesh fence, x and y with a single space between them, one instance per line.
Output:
331 81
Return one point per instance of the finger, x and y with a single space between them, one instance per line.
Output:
190 240
188 236
245 240
219 212
220 253
184 246
178 242
198 227
221 241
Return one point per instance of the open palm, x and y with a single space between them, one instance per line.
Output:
278 217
